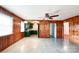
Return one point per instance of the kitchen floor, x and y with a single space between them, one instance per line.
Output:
34 44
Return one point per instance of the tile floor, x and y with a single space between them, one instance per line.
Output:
42 45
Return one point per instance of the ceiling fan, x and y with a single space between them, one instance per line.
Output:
50 16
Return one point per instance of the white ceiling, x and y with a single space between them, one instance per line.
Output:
37 12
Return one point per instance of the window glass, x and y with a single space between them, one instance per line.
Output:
6 24
66 28
22 26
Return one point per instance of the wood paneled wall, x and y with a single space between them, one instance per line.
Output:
7 40
60 29
73 29
44 29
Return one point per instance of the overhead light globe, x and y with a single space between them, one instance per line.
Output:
25 21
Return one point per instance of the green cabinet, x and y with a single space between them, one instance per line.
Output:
27 34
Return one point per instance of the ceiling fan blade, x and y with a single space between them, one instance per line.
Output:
47 15
50 17
54 16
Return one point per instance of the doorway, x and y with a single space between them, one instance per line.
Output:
31 28
53 30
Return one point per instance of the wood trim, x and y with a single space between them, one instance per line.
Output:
71 18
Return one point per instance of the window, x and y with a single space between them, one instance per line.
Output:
66 28
22 26
6 25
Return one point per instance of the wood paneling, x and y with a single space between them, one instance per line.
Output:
6 41
60 29
73 29
44 29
